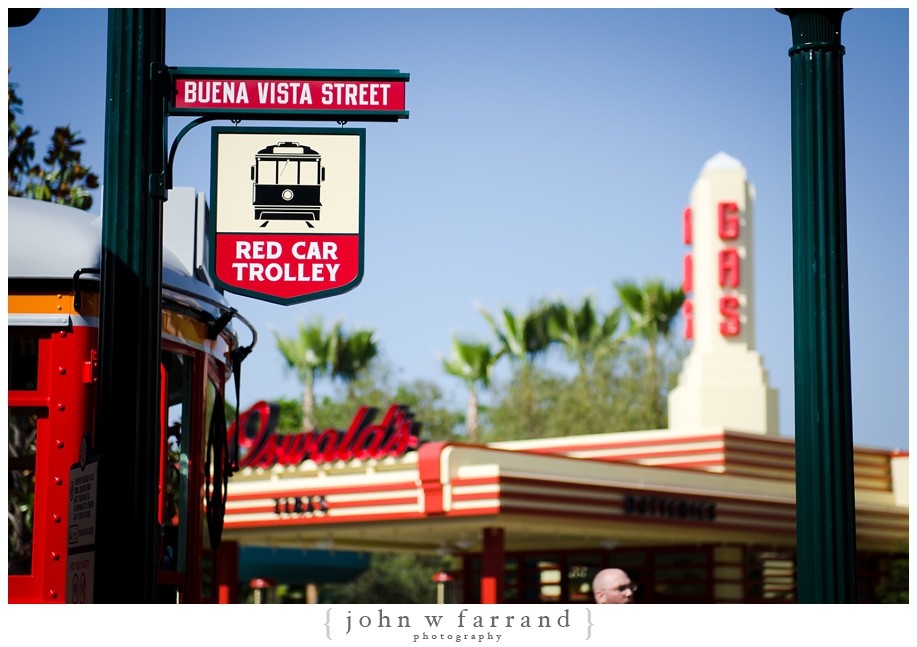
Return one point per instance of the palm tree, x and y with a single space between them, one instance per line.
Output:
309 354
522 338
582 331
351 355
473 362
651 310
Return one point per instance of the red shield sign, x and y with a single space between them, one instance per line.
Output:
286 223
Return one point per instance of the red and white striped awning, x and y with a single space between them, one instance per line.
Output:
643 487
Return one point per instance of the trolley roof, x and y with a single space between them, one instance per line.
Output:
285 149
52 241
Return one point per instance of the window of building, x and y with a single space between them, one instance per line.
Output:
771 576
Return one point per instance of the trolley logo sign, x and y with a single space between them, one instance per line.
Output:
286 223
366 95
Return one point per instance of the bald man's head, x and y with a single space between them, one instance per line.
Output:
613 586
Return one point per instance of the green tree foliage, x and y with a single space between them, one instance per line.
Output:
896 589
651 310
309 355
290 419
62 178
428 402
582 331
316 352
473 363
20 147
523 338
623 380
352 354
392 578
614 395
377 387
21 491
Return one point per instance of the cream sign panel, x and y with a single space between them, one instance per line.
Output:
287 217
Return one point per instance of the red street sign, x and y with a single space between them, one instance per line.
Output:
286 219
371 95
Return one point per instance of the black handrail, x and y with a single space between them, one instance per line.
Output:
77 295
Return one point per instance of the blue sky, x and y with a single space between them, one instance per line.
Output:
548 153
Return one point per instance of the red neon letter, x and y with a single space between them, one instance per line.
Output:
401 441
291 449
264 456
687 309
368 442
728 220
729 267
360 421
728 308
401 436
326 446
687 279
686 228
256 442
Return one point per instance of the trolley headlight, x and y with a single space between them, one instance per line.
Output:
287 195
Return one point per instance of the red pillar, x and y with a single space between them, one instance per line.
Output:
228 572
492 575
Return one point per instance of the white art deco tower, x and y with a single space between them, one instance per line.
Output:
723 382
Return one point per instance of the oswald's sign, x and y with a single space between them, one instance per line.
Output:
286 219
395 435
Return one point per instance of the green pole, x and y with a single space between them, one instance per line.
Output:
127 425
825 511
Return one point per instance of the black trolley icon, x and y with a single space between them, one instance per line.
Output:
287 183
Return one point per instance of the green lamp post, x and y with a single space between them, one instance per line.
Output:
127 425
825 512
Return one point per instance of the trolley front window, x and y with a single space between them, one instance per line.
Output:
213 398
309 172
288 172
22 366
23 437
180 387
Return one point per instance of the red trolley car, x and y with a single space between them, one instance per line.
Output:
53 305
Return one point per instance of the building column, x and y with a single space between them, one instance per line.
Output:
492 575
